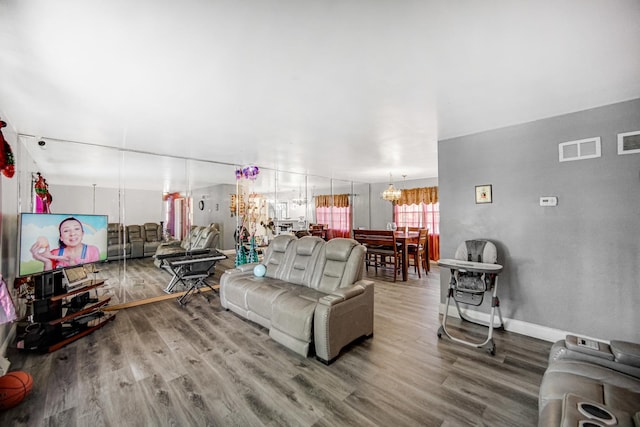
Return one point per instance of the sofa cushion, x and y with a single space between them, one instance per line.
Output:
340 265
260 299
292 321
276 256
152 232
301 264
191 237
207 238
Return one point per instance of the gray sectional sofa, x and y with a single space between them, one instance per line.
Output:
132 241
312 297
585 374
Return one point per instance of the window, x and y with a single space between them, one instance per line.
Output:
335 211
422 215
338 219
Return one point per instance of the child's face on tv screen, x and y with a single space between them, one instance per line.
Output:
71 233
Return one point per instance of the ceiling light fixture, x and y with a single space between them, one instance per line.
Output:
391 194
300 200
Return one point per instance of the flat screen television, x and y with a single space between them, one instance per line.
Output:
50 242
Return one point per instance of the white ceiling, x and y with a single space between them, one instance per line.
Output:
350 89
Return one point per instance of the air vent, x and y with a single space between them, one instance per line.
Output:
629 143
579 150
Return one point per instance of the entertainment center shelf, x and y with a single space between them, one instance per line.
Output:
61 316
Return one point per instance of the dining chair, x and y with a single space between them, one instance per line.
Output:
419 252
382 249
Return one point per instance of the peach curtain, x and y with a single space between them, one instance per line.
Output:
426 195
335 211
415 196
434 246
328 200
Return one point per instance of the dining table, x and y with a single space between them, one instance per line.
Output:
405 238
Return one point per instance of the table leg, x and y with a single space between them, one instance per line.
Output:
405 261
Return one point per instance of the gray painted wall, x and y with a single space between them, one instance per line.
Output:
574 267
217 209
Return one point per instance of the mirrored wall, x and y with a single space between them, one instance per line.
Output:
133 189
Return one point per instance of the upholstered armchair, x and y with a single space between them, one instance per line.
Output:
134 235
152 234
117 245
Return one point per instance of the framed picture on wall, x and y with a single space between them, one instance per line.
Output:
483 194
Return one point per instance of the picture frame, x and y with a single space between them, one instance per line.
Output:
484 194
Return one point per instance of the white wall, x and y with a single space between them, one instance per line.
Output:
128 207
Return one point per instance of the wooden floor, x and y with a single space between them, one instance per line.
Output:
162 364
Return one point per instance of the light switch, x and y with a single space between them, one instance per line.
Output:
549 201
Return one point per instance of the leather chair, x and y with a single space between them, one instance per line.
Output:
199 237
136 239
117 245
152 234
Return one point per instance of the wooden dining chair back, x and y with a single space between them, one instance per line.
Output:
382 249
419 252
319 230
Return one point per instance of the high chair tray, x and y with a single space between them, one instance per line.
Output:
479 267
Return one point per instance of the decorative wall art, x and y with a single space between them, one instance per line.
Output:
483 194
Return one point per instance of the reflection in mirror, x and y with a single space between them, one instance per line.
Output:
290 205
153 202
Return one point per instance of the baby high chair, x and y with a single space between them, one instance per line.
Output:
473 272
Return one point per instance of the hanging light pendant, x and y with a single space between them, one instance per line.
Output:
391 194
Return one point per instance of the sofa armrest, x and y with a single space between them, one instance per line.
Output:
566 412
244 268
626 352
339 295
620 356
341 317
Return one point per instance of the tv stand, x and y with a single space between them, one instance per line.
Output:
61 316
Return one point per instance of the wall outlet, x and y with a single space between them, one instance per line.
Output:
549 201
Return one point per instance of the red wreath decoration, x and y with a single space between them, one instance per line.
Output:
7 161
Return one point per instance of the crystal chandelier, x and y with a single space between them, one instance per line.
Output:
300 200
391 194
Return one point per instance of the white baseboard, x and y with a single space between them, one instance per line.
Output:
512 325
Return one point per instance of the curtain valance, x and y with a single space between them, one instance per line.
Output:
328 200
415 196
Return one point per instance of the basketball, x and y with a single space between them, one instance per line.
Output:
14 387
